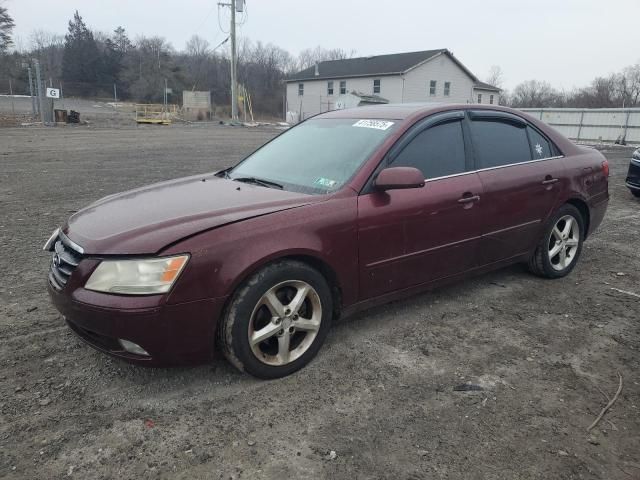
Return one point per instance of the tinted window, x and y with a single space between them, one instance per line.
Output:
540 147
497 143
438 151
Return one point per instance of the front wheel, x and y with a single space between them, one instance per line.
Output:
277 320
635 193
559 249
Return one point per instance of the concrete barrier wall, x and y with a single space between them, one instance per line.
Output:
592 125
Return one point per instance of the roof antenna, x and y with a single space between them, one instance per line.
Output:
317 72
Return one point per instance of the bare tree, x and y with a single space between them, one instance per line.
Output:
627 86
495 77
310 56
48 48
534 93
197 47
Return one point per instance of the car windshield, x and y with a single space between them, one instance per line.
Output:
318 156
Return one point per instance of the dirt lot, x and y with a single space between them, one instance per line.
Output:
378 402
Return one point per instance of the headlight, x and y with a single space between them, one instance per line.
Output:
137 277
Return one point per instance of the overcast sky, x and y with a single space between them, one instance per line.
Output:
566 42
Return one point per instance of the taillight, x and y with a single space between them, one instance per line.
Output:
605 168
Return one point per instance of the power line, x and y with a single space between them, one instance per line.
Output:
220 44
219 25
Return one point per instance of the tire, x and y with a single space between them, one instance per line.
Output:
635 193
291 304
547 260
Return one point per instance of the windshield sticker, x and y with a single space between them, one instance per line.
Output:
377 124
324 182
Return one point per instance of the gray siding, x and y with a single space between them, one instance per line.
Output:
316 99
441 69
486 96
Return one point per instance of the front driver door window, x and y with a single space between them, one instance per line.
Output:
415 236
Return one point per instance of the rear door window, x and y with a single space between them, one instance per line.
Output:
497 143
438 151
540 146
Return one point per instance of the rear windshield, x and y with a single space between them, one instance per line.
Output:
318 156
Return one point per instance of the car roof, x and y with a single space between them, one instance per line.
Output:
402 111
391 111
410 112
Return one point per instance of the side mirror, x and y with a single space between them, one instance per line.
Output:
394 178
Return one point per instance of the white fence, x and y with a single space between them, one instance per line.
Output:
592 124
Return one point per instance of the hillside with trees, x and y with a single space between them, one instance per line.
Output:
89 63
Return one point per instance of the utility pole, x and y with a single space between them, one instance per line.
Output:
234 85
39 88
33 100
236 6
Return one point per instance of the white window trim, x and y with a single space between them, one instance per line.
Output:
379 85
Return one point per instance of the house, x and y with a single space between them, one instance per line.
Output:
427 76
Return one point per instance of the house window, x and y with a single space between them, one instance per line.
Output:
376 86
301 89
432 87
479 98
447 89
343 87
491 99
329 88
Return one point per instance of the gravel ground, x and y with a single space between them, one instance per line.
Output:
377 402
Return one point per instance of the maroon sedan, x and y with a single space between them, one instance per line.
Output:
346 210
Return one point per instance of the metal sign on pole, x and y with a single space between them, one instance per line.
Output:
53 93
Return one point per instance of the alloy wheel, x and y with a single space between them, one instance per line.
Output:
285 322
564 242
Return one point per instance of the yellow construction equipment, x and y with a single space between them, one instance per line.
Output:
155 113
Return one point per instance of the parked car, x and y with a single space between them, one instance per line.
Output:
346 210
633 177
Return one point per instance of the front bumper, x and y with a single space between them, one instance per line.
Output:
179 334
633 176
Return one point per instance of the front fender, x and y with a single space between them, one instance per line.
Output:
221 259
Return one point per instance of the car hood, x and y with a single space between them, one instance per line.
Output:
145 220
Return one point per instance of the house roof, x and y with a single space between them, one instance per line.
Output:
378 65
485 86
366 66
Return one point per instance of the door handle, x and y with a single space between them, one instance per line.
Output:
549 181
469 199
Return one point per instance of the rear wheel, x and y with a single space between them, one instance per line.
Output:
277 320
635 193
559 249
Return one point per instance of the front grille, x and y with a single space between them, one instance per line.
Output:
633 177
65 259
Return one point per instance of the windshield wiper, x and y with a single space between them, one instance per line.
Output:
259 181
